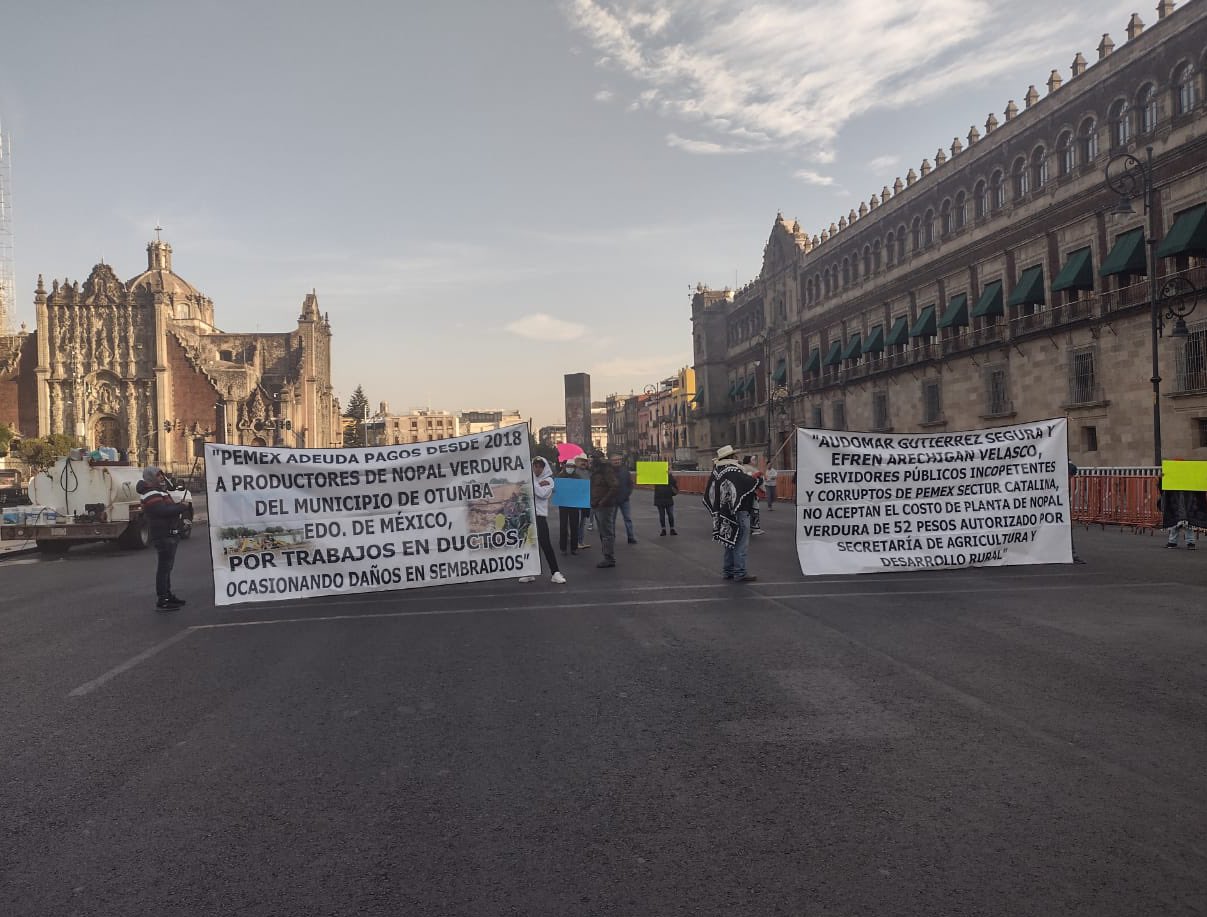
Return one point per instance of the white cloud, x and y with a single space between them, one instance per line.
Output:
542 327
882 163
605 95
703 147
755 75
813 178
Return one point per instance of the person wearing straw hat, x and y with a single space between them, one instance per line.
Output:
729 496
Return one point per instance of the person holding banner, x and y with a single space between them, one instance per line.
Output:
542 490
729 496
569 517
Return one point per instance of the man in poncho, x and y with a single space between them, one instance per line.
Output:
729 496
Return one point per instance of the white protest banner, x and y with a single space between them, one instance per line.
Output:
876 502
292 523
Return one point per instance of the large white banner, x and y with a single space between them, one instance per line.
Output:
291 523
873 503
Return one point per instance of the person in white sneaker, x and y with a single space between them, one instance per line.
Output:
542 489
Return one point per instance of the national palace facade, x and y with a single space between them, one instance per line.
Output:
995 284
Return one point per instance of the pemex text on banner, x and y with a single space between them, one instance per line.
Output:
292 523
874 503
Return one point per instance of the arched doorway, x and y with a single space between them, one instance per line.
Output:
106 431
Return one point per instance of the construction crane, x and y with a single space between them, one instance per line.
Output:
7 284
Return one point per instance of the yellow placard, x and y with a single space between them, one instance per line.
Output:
652 472
1184 475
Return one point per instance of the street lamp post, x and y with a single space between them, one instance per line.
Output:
1177 297
1132 177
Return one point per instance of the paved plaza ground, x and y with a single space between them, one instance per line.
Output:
647 740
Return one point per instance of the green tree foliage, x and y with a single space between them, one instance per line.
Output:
6 438
42 453
358 405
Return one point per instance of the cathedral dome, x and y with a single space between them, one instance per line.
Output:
159 276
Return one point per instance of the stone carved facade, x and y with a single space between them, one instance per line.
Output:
141 367
1015 211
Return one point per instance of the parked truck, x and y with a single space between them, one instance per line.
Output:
79 500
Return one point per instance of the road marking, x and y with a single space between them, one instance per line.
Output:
748 595
732 592
130 663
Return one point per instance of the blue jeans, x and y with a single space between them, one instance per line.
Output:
735 556
628 519
165 549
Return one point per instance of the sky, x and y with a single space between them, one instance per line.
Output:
487 195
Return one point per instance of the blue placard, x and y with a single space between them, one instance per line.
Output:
572 492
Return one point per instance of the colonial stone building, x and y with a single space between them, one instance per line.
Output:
141 367
995 284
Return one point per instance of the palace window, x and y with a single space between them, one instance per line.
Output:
998 190
1087 138
997 392
932 401
1083 378
958 213
981 196
1039 168
1066 154
1022 181
880 420
840 415
1146 103
1121 125
1184 95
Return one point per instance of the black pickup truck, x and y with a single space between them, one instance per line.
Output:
12 488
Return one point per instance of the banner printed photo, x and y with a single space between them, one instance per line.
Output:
293 523
872 502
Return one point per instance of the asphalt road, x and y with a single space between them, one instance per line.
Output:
647 740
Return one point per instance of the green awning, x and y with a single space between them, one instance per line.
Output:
1030 289
1127 257
733 389
956 315
699 399
875 341
899 333
1077 274
814 363
781 371
834 355
990 302
1188 235
924 327
749 385
854 347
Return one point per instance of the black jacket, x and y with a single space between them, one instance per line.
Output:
162 512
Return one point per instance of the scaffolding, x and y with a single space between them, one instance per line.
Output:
7 286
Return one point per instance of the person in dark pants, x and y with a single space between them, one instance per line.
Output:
569 518
604 491
542 490
163 515
664 499
625 478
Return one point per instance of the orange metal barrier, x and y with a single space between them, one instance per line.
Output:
1116 496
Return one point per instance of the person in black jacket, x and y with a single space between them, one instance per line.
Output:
664 499
163 515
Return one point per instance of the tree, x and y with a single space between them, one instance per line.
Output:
357 410
42 453
7 434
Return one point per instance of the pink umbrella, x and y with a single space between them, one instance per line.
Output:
567 451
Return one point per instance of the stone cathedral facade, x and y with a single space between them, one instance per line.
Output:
141 367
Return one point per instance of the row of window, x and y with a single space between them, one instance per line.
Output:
1184 246
1027 174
